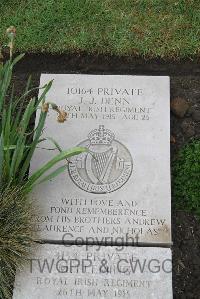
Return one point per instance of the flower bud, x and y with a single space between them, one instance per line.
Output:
11 32
45 107
62 116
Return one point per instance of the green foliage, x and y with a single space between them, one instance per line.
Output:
18 141
186 178
33 179
15 236
150 28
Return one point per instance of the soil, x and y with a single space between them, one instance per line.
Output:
186 255
185 83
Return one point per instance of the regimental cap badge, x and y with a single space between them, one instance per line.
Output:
106 166
101 136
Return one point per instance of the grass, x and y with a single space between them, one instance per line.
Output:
186 178
15 236
147 28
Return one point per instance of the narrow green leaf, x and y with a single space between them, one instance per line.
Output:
28 84
21 139
12 147
17 156
1 160
53 174
55 143
62 156
17 59
46 89
5 82
26 94
27 116
34 143
7 130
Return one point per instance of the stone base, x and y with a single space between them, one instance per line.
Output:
57 271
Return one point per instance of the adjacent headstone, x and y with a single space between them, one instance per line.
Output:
120 189
57 272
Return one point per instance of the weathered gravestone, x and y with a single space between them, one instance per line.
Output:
117 193
120 189
56 271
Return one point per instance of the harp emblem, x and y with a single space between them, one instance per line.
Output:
105 167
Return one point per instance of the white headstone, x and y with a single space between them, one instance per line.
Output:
120 189
57 272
